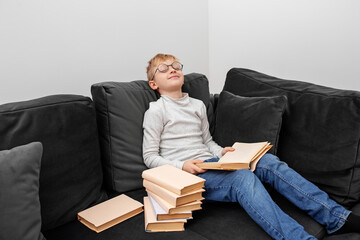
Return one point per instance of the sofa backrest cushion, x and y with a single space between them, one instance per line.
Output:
71 174
320 132
248 119
120 108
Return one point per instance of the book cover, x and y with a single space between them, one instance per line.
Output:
109 213
153 225
171 197
173 179
193 206
245 156
161 214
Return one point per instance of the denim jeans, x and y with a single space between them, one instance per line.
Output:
246 187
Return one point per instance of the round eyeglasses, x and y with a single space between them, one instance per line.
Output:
164 68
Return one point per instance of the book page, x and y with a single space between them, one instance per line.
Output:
158 209
257 159
171 209
150 216
244 152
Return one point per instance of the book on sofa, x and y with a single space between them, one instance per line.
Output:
154 225
161 214
109 213
171 197
174 179
245 156
169 208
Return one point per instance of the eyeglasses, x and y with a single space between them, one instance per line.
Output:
164 68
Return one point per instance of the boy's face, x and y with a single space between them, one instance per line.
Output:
167 81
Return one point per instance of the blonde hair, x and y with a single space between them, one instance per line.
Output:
155 61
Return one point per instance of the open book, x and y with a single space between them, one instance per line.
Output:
245 156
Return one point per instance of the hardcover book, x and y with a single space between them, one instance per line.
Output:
153 225
161 214
109 213
193 206
174 179
171 197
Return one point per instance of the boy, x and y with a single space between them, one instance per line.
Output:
176 132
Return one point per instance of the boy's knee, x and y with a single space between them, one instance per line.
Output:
243 176
245 182
270 160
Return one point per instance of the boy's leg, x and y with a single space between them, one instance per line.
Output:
301 192
244 187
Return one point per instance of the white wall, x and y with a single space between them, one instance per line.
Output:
49 47
309 40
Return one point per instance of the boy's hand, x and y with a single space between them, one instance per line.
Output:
227 149
190 167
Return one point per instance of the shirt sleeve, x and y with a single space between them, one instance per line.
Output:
213 147
153 126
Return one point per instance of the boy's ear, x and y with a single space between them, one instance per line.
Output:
153 85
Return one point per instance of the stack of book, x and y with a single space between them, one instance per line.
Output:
172 196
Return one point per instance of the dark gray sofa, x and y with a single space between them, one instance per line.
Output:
92 152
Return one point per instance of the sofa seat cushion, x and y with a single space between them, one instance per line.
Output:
309 224
133 228
71 174
230 219
120 108
216 220
319 137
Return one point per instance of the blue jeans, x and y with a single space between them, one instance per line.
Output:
246 187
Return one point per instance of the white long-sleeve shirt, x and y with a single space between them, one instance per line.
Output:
177 130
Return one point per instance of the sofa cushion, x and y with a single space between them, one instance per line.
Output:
225 220
248 119
132 228
71 174
217 220
20 216
320 131
197 85
120 108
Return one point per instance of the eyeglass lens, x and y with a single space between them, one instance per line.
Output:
175 65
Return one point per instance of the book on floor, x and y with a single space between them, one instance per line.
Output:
109 213
154 225
161 214
171 209
174 179
245 156
171 197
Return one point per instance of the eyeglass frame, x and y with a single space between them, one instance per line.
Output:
168 65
